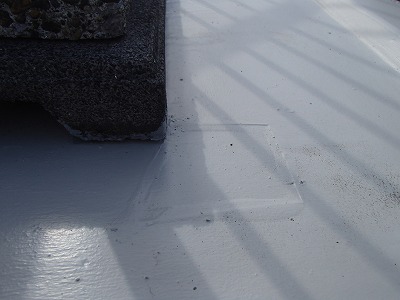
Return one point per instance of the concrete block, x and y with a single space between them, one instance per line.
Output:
63 19
98 89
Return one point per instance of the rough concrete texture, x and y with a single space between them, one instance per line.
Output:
98 89
63 19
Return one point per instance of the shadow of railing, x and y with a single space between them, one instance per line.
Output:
99 185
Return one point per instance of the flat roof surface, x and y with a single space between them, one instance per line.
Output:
279 177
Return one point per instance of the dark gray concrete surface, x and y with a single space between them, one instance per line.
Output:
98 89
63 19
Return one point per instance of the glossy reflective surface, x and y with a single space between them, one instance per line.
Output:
279 177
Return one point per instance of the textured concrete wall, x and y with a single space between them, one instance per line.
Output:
63 19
